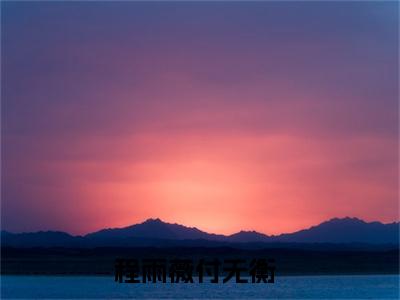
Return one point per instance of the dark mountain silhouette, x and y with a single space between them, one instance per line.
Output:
248 237
38 239
155 229
154 232
346 230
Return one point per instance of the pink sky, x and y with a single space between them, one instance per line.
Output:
226 117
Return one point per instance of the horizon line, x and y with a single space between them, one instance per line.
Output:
194 227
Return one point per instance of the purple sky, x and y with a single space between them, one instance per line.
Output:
225 116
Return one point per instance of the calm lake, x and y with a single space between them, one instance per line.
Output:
293 287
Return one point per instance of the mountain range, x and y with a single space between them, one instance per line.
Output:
154 232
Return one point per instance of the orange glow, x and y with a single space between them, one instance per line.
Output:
271 184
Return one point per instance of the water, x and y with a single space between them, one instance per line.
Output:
290 287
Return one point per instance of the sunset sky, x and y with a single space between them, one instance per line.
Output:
259 116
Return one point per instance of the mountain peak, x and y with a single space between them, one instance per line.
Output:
153 220
346 219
